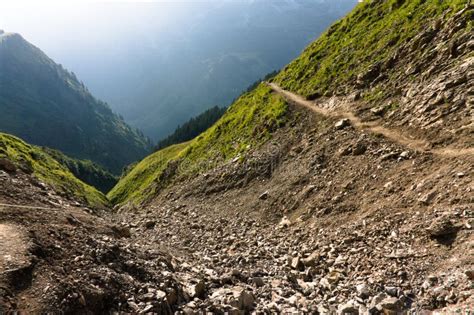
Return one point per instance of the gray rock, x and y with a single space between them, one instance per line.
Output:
172 296
344 151
311 260
325 284
376 300
342 123
307 191
428 198
150 224
363 290
243 299
442 226
340 260
285 222
160 295
359 149
378 111
258 282
134 306
348 308
246 300
470 274
146 309
356 96
121 231
388 156
297 263
405 155
264 195
390 305
392 291
198 290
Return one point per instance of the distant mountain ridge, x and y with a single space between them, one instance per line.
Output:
47 105
208 54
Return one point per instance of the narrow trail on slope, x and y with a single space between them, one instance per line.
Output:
374 127
13 248
7 205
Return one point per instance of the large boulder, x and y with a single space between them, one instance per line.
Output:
7 165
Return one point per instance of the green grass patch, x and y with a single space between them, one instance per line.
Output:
247 123
377 94
135 185
369 34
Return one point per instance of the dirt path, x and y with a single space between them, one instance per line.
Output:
13 248
7 205
374 127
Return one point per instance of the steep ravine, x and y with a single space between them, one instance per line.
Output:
354 201
320 218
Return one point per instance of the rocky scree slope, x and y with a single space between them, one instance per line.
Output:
319 219
321 215
58 256
46 105
59 250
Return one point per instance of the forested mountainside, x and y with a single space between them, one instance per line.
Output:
85 170
193 127
46 105
342 186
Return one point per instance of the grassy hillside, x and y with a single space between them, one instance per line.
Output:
33 159
352 54
135 184
47 105
247 124
370 35
85 170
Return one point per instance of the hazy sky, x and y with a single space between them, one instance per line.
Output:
55 25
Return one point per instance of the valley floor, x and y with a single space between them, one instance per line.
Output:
326 217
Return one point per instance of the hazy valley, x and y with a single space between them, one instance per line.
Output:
341 184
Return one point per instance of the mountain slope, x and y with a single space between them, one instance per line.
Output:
368 44
334 66
408 61
356 201
355 198
46 105
17 154
247 124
